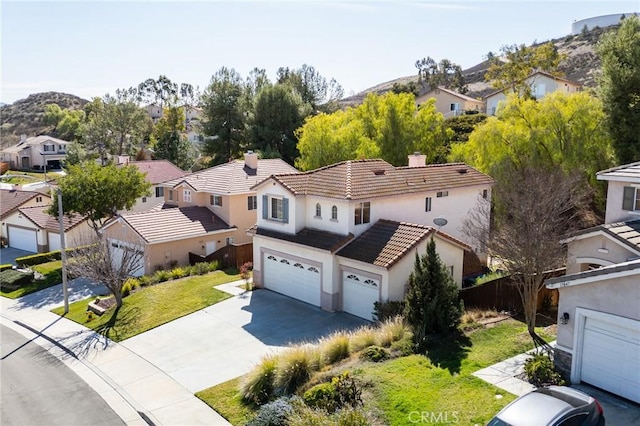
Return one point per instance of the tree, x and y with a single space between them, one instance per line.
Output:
66 122
535 207
160 91
432 305
619 87
169 140
520 62
432 74
98 192
315 90
224 115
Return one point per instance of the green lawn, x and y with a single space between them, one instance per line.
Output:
433 389
29 177
53 275
152 306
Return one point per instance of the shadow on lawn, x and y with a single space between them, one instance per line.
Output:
449 351
119 320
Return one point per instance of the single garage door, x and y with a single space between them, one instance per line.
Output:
611 357
359 293
54 242
23 239
118 254
292 278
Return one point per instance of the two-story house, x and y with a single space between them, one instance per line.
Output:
598 340
39 153
345 236
451 103
541 84
156 172
202 212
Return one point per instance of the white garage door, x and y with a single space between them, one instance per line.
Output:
23 239
54 242
293 278
359 293
611 358
118 254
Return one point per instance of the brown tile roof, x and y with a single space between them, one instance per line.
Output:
233 177
307 237
360 179
627 232
12 199
158 171
171 223
386 242
44 220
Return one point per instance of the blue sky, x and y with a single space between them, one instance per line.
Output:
90 48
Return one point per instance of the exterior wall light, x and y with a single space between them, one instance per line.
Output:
564 319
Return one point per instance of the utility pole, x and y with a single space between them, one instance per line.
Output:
63 254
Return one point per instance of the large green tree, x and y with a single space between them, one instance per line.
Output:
432 305
98 192
620 87
66 122
169 140
432 74
321 94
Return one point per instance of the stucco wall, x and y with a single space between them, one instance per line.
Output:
582 252
44 201
615 213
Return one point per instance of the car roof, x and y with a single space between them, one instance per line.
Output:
534 408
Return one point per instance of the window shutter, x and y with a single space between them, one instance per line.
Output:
285 210
265 207
628 197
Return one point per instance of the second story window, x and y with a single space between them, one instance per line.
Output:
362 213
318 210
427 204
334 213
275 208
485 193
171 194
49 148
38 199
186 195
631 198
252 202
441 194
216 200
159 191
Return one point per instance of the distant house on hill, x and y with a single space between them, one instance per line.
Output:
39 153
450 103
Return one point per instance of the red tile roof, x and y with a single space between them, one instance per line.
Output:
12 199
171 223
158 171
353 180
40 217
233 177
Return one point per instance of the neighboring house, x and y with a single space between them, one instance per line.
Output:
451 103
202 212
598 340
191 119
156 172
39 153
345 236
541 84
10 201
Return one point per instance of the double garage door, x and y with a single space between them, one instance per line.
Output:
359 293
611 357
293 278
23 239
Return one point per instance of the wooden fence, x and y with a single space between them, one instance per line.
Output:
234 255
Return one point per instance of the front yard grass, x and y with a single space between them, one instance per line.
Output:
152 306
52 272
435 388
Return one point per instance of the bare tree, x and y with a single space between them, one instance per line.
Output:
534 208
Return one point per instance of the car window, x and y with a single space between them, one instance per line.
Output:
576 420
497 422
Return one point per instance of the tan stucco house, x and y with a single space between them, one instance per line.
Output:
451 103
10 201
39 153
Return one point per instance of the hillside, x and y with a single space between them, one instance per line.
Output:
581 65
25 115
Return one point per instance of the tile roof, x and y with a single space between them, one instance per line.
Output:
323 240
171 223
386 242
44 220
451 92
233 177
626 172
158 171
12 199
630 267
360 179
627 232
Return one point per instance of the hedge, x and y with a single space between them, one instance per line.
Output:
5 266
36 259
12 279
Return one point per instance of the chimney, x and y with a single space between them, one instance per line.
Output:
417 160
23 138
251 160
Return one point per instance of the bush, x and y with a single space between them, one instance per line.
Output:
363 338
347 390
200 268
214 266
36 259
322 396
273 414
391 330
144 281
335 347
129 286
341 392
179 273
295 368
307 416
258 386
5 266
383 311
12 279
162 275
374 354
540 371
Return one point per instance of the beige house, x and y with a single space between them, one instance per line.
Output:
450 103
202 213
39 153
541 84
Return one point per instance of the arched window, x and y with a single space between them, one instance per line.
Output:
334 213
318 210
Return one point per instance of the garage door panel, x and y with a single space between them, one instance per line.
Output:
54 242
359 293
292 278
23 239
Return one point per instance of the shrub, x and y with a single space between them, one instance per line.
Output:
128 286
214 266
295 368
258 386
374 354
341 392
540 371
162 275
362 338
273 414
12 279
201 268
307 416
322 396
392 330
383 311
144 281
36 259
347 390
179 273
335 347
5 266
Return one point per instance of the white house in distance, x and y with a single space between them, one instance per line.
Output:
598 339
39 153
541 84
451 103
345 236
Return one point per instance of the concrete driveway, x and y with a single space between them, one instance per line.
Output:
226 340
9 254
617 411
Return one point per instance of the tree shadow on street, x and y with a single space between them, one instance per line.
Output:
448 351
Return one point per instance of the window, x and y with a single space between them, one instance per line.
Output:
455 107
159 191
275 208
49 148
144 199
215 200
485 193
363 213
252 202
427 204
441 194
38 199
186 195
318 210
171 194
334 213
277 211
631 198
229 240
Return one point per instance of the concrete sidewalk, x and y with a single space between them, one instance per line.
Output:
137 390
